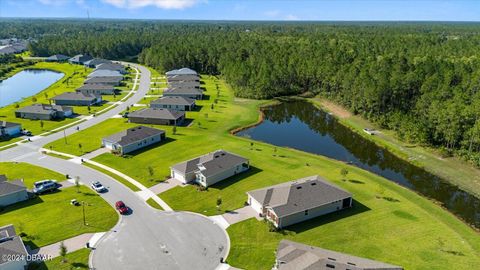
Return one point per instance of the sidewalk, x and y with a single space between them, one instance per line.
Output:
235 216
72 244
95 153
164 186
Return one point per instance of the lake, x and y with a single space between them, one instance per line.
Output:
300 125
26 83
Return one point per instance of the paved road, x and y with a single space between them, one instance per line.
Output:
147 238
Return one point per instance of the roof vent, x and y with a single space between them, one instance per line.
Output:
332 259
351 263
313 184
299 187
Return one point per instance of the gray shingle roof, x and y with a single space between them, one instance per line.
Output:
185 91
76 96
174 100
104 73
10 243
58 57
299 195
157 113
80 58
43 108
96 61
182 71
133 135
184 84
96 86
5 124
111 66
7 187
296 256
104 80
213 163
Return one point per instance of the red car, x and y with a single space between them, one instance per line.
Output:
121 207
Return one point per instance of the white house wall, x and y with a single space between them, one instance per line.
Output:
13 198
312 213
255 205
14 265
224 175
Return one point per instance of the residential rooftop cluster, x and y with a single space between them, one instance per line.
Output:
13 46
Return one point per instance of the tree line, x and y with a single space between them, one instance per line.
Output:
419 79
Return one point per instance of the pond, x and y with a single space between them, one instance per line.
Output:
300 125
26 83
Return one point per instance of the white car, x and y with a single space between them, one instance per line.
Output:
98 187
43 186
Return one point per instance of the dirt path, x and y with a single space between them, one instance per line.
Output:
334 108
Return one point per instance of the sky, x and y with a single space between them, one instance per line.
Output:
312 10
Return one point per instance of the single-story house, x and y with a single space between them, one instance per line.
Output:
77 99
10 129
112 66
182 71
209 169
57 58
133 139
296 256
115 81
13 254
299 200
93 63
183 78
12 191
104 73
80 59
192 93
157 116
96 89
44 112
174 103
184 84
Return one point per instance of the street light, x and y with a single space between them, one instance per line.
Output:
83 211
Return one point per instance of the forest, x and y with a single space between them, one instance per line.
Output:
420 79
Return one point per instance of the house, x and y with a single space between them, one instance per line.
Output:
13 254
209 169
57 58
12 191
114 81
80 59
191 93
44 112
9 129
183 78
133 139
174 103
96 89
93 63
182 71
104 73
112 66
157 116
77 99
296 256
184 84
299 200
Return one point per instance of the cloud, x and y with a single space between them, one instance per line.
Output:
291 17
164 4
54 2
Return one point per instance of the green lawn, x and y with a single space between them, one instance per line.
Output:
402 229
75 260
154 204
51 218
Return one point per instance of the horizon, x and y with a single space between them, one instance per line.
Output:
269 10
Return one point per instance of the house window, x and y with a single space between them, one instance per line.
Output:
306 212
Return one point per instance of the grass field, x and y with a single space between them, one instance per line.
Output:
401 228
75 260
51 218
452 169
154 204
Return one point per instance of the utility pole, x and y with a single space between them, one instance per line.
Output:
83 210
65 136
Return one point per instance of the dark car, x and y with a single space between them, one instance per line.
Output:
121 207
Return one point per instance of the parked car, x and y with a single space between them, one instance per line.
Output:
26 132
98 187
121 207
44 186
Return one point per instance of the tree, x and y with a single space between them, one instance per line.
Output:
212 106
80 147
344 173
63 252
151 172
219 203
174 130
41 124
34 99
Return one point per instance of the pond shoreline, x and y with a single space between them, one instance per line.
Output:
278 101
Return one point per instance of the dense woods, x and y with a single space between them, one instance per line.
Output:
421 80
